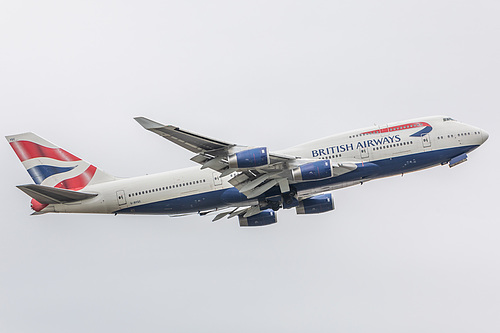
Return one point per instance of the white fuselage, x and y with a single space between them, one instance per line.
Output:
379 151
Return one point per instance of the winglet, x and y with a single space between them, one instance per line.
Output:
148 123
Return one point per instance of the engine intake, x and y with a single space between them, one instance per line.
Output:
265 217
250 158
315 205
313 171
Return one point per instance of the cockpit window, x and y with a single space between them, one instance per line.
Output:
448 119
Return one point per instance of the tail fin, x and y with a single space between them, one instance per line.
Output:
50 165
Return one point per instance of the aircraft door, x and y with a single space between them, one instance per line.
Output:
364 153
426 141
217 179
120 196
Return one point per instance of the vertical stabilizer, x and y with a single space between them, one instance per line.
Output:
50 165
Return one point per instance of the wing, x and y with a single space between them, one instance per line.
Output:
215 154
255 170
188 140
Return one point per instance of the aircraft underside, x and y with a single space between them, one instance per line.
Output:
273 199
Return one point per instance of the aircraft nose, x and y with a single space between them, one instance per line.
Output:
485 136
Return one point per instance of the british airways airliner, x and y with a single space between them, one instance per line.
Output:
250 183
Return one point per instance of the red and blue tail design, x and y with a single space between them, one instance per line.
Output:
53 166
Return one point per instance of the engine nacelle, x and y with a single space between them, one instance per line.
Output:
265 217
313 171
250 158
317 204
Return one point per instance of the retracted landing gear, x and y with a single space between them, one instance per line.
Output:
285 200
289 200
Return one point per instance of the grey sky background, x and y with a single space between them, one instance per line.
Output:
418 253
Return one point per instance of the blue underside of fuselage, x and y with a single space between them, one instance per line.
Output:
365 171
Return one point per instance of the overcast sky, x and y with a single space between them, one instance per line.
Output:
418 253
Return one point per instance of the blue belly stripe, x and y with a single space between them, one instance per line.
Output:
365 171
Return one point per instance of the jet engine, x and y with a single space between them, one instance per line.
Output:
313 171
265 217
315 205
250 158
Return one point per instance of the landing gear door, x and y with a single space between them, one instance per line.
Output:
426 141
120 197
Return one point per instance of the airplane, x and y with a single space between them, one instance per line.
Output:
247 182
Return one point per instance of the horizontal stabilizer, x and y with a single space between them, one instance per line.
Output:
51 195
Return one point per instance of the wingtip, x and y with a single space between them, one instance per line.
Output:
148 123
